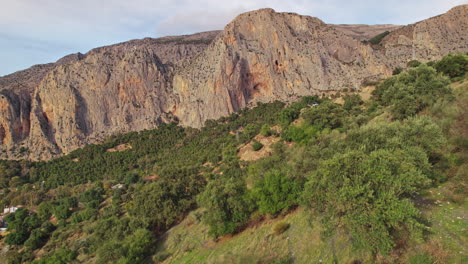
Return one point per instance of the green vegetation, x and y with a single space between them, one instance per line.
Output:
257 146
413 63
227 203
378 38
410 92
453 65
351 177
275 192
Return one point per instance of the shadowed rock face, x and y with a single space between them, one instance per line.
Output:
261 56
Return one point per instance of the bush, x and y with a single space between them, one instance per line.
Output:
280 228
36 239
227 203
325 115
453 65
351 101
62 212
397 71
377 39
413 63
257 145
276 192
410 92
367 193
265 130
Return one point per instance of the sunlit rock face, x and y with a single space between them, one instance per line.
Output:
261 56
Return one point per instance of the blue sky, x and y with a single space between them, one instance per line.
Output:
41 31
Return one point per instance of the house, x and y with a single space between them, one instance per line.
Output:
117 186
10 210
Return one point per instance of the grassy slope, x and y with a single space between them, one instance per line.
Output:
446 241
188 242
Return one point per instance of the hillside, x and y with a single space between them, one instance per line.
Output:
381 180
261 56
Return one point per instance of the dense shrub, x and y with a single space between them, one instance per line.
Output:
453 65
166 200
325 115
60 256
351 101
133 249
397 71
367 193
275 192
256 146
378 38
413 63
410 92
266 131
227 204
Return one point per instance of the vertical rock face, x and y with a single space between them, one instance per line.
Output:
430 39
16 92
260 56
100 95
55 108
263 56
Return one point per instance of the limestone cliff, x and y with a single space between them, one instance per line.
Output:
260 56
427 40
265 56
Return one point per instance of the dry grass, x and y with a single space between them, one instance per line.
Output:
247 153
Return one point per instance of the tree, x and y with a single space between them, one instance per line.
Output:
62 212
367 193
453 65
167 199
20 225
257 145
413 63
351 101
227 204
36 239
276 192
325 115
410 92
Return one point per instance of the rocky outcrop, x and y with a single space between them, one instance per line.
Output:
82 98
260 56
16 92
427 40
264 56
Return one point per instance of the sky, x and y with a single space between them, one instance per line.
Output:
42 31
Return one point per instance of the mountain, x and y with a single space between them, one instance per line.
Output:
261 56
